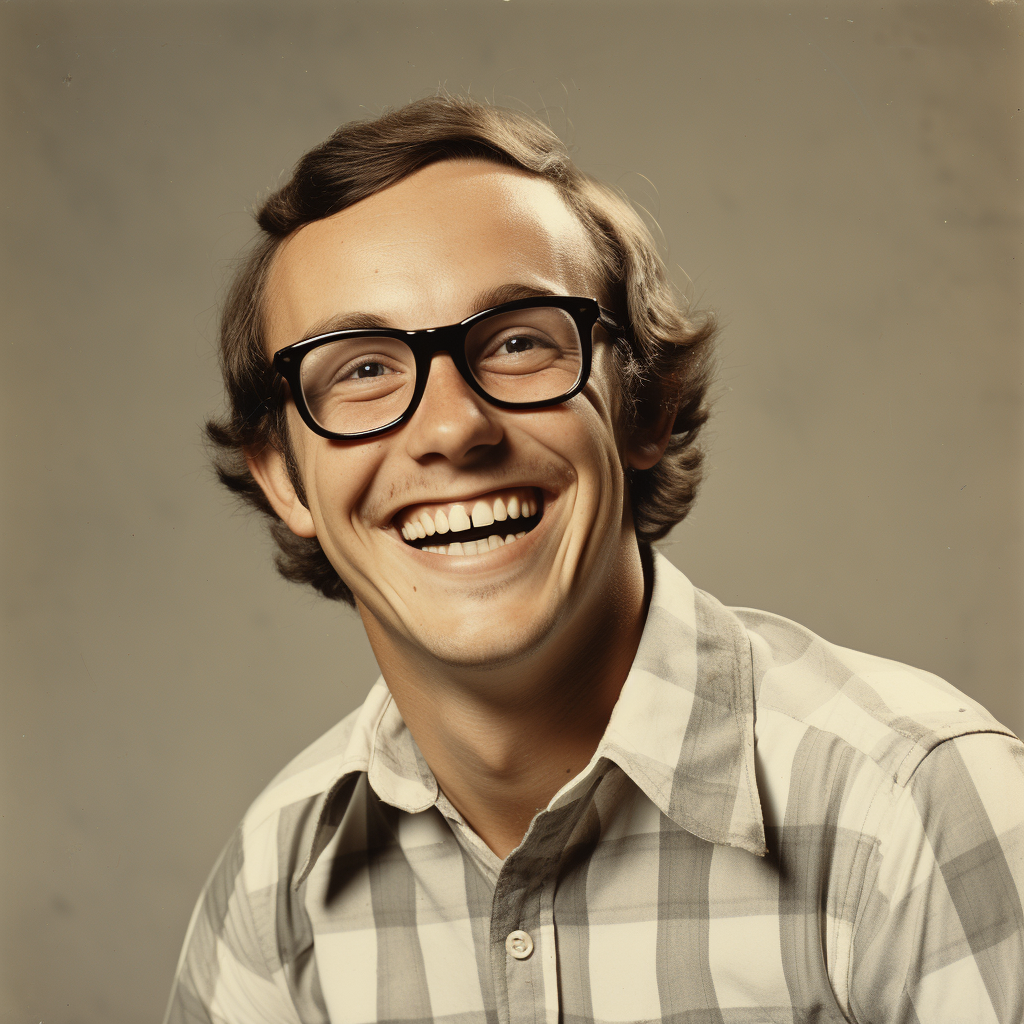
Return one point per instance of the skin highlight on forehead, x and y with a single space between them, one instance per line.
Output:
396 233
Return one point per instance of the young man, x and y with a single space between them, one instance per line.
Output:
582 790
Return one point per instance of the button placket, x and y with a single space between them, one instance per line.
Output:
525 975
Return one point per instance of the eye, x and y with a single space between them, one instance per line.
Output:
517 343
512 344
369 369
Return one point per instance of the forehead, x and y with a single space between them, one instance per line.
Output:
420 253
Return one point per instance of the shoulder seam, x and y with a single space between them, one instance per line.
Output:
940 739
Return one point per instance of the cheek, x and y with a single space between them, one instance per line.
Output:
337 478
587 441
598 411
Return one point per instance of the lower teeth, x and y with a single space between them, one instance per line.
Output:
474 547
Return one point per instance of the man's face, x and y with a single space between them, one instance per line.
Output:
450 240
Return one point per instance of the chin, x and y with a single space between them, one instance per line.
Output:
484 646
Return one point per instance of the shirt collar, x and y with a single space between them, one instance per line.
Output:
682 729
683 726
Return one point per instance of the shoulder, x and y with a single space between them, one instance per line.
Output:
250 891
839 735
900 801
892 715
281 821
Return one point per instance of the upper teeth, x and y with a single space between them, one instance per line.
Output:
458 520
483 514
424 522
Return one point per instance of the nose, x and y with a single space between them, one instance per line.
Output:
451 420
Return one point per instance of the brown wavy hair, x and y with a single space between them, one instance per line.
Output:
665 363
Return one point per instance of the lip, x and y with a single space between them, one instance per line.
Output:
494 558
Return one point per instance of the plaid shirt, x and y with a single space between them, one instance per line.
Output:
773 828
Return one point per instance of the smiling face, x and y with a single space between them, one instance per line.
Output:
471 536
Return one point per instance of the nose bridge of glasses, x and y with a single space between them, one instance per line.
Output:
427 343
439 341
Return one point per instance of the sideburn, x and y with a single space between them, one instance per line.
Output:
293 470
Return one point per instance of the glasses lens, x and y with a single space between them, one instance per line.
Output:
526 355
358 384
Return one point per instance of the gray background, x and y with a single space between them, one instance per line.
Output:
840 179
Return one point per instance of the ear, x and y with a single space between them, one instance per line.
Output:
271 473
647 445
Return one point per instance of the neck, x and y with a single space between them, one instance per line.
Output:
501 740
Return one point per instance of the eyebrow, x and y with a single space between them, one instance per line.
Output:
487 299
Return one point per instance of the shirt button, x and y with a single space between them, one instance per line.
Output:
519 944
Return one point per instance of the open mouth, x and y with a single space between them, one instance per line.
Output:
472 527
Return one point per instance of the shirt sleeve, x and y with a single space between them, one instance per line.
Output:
940 932
223 976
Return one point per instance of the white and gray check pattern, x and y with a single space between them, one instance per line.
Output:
773 829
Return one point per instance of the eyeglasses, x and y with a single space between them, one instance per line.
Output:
526 354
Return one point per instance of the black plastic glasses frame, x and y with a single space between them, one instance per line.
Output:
451 339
